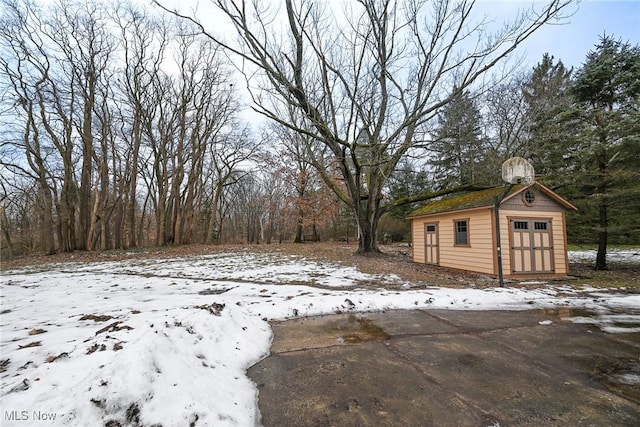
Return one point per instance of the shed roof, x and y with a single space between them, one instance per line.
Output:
483 198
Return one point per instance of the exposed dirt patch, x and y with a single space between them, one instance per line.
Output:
618 275
214 308
112 255
114 327
31 344
96 347
52 358
100 318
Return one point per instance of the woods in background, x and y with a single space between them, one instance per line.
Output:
122 127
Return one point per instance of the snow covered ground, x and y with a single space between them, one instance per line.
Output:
168 341
617 256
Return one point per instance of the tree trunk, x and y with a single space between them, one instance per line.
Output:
48 244
211 231
66 211
601 257
187 221
118 223
130 203
92 234
367 219
106 207
299 225
85 211
37 164
175 199
601 190
141 233
367 238
5 230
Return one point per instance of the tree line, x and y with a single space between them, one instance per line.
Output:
123 127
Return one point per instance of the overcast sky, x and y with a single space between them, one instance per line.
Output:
592 18
569 42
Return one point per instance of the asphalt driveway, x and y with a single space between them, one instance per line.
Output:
448 368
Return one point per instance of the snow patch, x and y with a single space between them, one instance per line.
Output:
631 256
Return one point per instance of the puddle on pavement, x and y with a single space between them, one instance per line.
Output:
613 321
365 330
325 331
622 375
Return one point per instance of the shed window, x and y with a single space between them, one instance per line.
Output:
431 228
540 225
529 197
520 225
462 232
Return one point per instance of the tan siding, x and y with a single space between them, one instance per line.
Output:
566 248
478 256
417 240
505 240
559 233
543 203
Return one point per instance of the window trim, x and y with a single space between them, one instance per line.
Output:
455 233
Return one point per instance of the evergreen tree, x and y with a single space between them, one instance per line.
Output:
550 141
456 153
607 95
406 181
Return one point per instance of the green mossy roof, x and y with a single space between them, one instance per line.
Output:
475 199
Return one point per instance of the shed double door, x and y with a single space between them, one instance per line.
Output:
531 246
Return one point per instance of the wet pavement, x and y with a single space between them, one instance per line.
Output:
449 368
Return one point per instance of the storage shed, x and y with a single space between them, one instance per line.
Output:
461 231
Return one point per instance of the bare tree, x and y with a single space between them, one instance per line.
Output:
231 148
144 40
292 163
277 194
26 73
57 62
81 34
244 210
205 122
100 231
366 82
